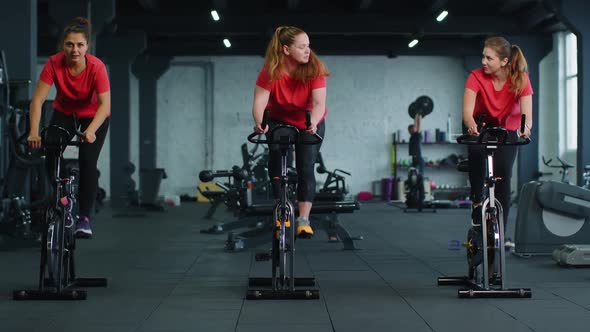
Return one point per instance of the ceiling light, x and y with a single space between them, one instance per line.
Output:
442 15
215 15
226 43
413 43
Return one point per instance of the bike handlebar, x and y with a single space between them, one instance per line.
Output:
66 132
318 138
494 136
563 165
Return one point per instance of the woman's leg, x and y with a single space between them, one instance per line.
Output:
306 157
88 181
503 161
477 168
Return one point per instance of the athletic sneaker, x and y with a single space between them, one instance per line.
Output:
83 230
509 244
304 229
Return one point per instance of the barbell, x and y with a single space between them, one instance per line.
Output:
423 105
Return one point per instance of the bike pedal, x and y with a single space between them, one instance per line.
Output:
262 256
287 223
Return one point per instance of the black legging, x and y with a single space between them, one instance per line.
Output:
305 155
87 159
504 158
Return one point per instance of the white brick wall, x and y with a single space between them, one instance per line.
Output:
367 101
368 98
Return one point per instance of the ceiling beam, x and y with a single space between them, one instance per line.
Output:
535 15
149 5
365 4
438 5
292 4
321 24
511 6
396 46
219 4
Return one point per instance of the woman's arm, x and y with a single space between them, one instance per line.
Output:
104 108
468 108
35 109
526 108
318 104
261 97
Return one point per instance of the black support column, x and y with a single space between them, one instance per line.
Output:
120 52
18 39
148 69
575 17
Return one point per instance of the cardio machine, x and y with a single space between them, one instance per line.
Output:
57 276
485 243
283 284
565 167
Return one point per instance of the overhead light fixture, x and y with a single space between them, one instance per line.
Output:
226 43
413 43
215 15
442 15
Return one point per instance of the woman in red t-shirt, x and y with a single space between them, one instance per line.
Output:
501 91
83 89
293 81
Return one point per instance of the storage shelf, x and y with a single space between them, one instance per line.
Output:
429 166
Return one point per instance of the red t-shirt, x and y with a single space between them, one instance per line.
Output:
502 108
76 94
289 97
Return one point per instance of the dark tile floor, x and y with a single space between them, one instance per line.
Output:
166 276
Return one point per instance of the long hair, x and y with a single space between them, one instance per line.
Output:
285 35
77 25
517 65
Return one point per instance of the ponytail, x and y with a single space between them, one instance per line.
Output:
518 69
285 35
273 54
517 65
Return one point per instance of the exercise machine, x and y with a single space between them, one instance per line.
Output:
551 214
57 276
486 262
282 284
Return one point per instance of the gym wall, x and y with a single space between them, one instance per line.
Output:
367 101
368 98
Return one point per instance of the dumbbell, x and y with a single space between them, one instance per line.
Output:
236 172
423 105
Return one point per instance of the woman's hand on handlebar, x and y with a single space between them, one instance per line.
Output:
259 130
34 141
89 136
312 129
526 133
472 130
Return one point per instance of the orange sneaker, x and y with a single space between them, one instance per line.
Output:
304 229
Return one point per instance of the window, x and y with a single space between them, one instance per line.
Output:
570 93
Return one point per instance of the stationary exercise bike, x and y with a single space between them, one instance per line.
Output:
485 243
282 284
57 277
564 168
